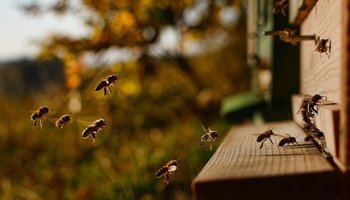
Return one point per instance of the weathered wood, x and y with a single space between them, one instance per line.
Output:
319 73
344 137
299 10
240 169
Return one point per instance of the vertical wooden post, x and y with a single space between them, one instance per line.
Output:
344 138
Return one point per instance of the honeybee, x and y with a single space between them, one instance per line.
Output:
62 121
288 140
105 84
209 136
280 6
312 130
39 114
264 136
315 101
289 35
308 138
308 107
323 46
93 129
166 170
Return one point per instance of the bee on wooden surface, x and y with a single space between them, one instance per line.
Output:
166 170
289 35
39 114
305 102
307 116
93 129
315 101
105 84
308 107
264 136
287 140
312 130
62 121
323 46
280 7
209 136
308 138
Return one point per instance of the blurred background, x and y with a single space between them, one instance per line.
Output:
181 63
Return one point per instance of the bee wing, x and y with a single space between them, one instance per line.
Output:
204 128
204 138
210 130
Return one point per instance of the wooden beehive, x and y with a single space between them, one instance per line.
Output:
240 169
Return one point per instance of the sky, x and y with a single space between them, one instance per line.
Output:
18 31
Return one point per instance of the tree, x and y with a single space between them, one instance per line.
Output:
139 25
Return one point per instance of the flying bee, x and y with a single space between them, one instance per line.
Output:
280 7
289 35
112 79
166 170
264 136
93 129
287 140
209 136
62 121
323 46
105 84
39 114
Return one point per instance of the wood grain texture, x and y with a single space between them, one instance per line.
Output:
299 9
240 169
318 72
344 137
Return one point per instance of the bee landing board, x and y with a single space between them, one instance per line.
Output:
240 169
327 120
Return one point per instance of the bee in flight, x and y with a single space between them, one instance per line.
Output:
264 136
166 170
105 84
39 114
93 129
209 136
280 7
323 46
288 140
62 121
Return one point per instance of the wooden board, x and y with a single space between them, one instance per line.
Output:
318 72
299 9
239 169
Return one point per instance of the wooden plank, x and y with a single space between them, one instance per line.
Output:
344 137
294 9
299 10
327 120
240 169
319 73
